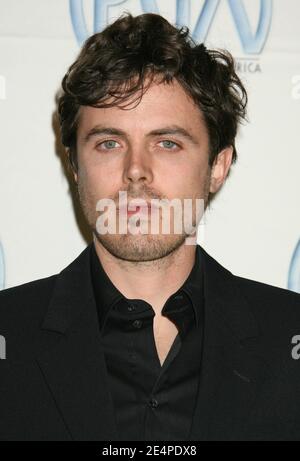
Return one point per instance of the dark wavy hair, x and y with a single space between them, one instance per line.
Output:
113 65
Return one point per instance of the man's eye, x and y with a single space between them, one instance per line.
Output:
109 143
169 144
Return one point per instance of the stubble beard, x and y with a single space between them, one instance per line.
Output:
129 247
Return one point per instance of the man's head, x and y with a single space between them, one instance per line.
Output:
171 110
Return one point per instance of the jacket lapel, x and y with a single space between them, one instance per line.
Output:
71 358
231 370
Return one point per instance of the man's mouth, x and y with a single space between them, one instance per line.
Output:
144 211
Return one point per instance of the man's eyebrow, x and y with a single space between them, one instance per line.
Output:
99 130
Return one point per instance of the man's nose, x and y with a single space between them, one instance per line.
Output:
138 166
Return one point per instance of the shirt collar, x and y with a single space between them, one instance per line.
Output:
107 295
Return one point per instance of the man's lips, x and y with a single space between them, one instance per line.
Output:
143 210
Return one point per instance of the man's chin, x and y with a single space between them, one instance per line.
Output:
140 247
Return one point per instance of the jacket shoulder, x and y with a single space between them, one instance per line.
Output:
23 307
266 291
272 304
25 301
29 288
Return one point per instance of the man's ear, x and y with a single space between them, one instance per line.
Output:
220 169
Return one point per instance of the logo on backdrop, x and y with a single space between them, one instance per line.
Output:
252 43
2 268
294 270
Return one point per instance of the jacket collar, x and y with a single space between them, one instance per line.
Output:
107 294
73 290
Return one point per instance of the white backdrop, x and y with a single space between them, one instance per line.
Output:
252 227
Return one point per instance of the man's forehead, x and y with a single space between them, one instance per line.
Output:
161 103
154 91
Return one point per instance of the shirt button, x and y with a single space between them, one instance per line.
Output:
137 323
153 403
131 308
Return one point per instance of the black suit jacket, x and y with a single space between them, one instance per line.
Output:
53 382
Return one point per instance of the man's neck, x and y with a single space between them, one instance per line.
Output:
152 281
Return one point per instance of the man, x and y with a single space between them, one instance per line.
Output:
145 336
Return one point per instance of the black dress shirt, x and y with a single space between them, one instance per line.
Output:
151 401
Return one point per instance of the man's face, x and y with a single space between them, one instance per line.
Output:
146 165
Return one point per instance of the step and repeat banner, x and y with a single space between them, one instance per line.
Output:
253 225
